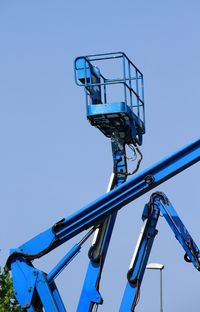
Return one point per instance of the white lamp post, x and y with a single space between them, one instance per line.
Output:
158 266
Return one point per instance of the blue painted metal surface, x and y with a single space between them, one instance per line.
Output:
98 210
122 120
21 258
126 116
138 264
31 285
192 252
119 121
157 204
63 263
90 294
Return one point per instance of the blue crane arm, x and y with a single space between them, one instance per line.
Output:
31 283
192 252
139 260
90 294
158 203
96 212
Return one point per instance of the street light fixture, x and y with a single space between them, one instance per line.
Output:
158 266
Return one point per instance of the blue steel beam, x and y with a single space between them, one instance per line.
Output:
98 210
90 294
93 214
139 261
192 253
158 203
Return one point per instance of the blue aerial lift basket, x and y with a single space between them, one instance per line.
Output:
125 117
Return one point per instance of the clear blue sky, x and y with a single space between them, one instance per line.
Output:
53 162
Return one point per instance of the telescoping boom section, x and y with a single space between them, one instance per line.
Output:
36 290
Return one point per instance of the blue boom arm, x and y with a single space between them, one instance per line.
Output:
37 289
158 204
124 123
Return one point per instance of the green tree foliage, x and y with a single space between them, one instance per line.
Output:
8 303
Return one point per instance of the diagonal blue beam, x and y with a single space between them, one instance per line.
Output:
98 210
